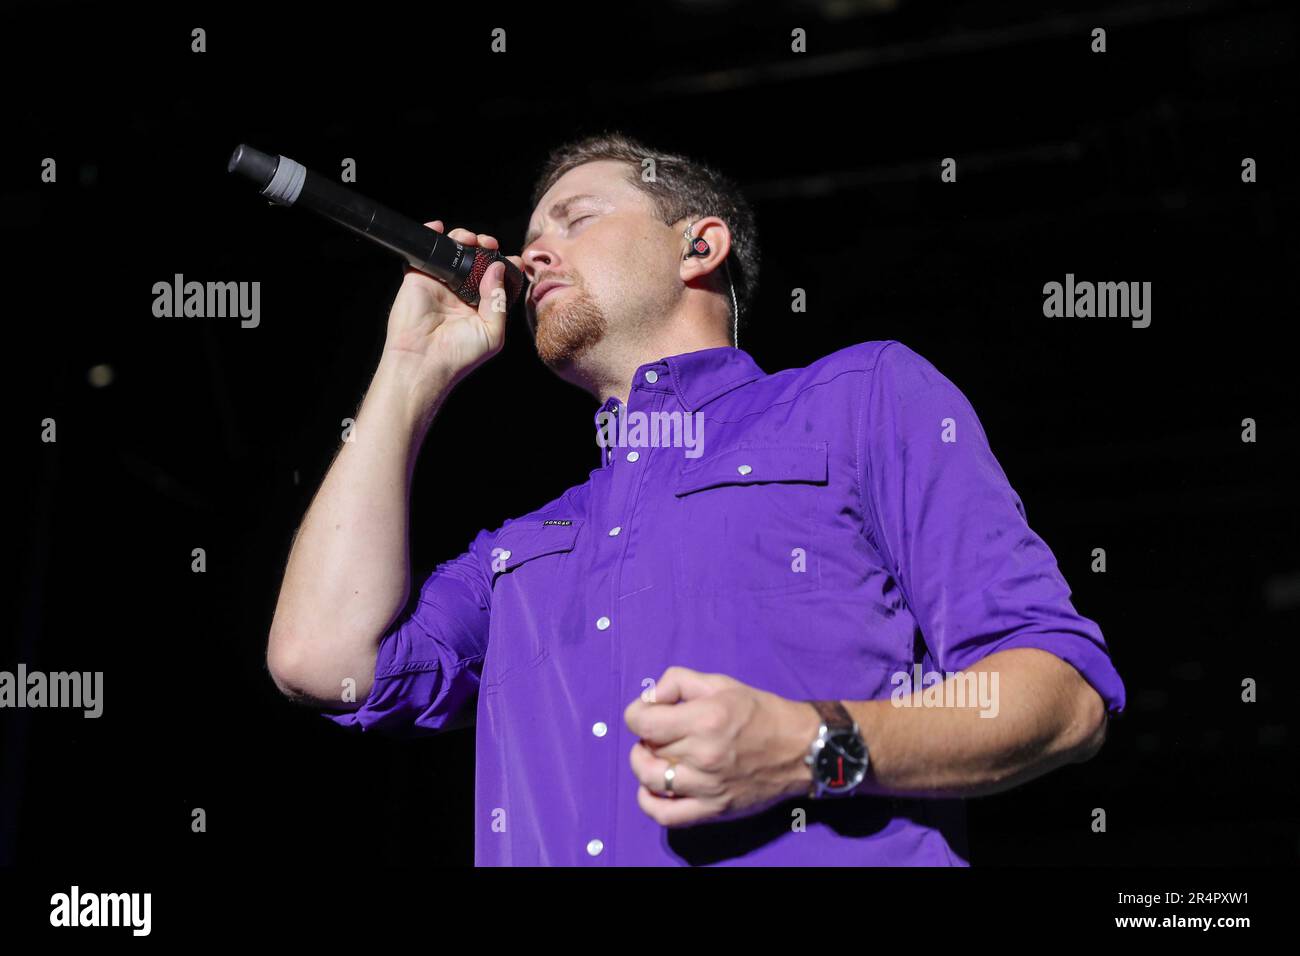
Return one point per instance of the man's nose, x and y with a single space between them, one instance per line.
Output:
536 259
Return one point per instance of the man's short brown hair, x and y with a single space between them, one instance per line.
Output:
682 187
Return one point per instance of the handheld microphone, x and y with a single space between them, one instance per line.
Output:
288 183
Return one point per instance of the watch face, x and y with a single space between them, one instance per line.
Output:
842 762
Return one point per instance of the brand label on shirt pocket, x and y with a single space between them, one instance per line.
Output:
750 519
526 564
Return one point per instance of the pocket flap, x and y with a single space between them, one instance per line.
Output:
754 463
522 541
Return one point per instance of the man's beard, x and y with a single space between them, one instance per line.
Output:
569 328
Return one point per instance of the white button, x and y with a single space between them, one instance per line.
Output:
613 532
602 623
633 455
504 555
652 376
594 847
744 469
599 728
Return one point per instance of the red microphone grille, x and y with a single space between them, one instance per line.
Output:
514 279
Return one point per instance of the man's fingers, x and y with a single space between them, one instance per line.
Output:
649 769
683 683
674 811
493 303
492 306
662 724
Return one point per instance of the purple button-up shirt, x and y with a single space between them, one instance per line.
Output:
812 533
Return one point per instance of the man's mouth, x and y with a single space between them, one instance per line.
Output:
545 289
552 291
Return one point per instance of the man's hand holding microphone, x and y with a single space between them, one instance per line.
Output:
434 338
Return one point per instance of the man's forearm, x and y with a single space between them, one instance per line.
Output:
348 572
1046 716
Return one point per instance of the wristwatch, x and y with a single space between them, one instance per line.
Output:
838 756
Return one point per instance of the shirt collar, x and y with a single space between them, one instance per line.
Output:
696 378
700 377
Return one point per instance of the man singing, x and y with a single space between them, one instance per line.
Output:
708 651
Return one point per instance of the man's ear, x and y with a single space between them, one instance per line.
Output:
700 259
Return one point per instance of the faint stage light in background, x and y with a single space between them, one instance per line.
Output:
100 376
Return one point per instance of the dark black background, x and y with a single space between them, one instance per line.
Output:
1123 166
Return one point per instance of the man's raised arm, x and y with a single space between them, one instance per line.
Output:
348 573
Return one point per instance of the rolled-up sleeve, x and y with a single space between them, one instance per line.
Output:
942 513
431 659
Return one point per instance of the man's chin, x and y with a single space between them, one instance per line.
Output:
563 337
561 357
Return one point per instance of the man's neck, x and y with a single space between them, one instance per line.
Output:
614 377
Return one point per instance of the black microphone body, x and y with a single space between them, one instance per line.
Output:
288 183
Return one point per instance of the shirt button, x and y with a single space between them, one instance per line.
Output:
594 847
652 376
613 532
633 455
602 623
599 728
744 469
504 555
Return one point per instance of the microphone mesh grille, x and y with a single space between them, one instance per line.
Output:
514 279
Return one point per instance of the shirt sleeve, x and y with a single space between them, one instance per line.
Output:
977 579
431 659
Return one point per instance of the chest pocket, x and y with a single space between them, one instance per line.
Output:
750 519
527 567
